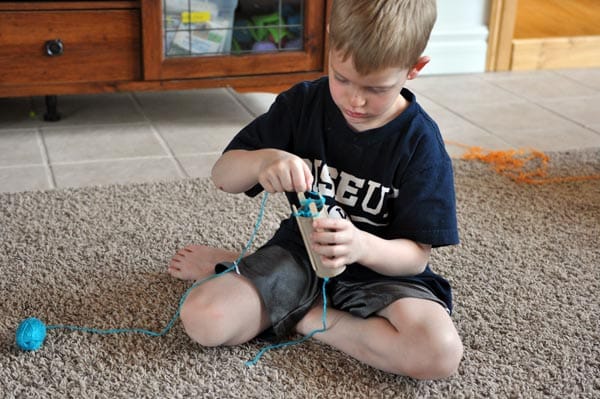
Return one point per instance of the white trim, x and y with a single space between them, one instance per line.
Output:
463 50
458 43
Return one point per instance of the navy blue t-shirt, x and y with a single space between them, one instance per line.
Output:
395 181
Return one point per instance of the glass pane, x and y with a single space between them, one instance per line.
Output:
198 27
215 27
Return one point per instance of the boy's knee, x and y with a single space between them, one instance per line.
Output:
441 356
203 321
446 355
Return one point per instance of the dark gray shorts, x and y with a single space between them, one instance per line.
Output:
289 288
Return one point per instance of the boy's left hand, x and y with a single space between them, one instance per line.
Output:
338 242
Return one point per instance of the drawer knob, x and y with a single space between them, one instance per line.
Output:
54 47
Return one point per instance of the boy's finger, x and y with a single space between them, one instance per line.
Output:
326 224
308 177
298 180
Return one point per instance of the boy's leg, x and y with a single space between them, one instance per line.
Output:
223 311
226 310
196 262
412 337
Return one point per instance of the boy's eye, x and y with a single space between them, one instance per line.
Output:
377 90
340 79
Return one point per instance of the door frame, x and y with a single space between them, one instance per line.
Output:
503 16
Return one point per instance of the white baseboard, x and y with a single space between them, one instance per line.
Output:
461 50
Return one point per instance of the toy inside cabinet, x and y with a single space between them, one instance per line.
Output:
268 26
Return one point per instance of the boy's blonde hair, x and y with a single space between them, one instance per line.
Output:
381 34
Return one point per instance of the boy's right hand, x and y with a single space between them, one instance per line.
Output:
282 171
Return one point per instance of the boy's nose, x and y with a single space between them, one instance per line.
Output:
357 99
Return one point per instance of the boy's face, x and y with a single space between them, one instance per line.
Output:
366 101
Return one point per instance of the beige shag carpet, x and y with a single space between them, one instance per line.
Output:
526 281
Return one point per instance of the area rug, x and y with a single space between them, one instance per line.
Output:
526 279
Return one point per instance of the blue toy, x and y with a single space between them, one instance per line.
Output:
241 33
295 20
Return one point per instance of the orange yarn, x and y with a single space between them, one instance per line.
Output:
521 166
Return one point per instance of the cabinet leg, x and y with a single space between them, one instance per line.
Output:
52 114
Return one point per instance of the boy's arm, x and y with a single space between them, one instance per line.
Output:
396 257
237 171
340 243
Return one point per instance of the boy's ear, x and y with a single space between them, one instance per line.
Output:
416 69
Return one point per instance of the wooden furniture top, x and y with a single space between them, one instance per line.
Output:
64 5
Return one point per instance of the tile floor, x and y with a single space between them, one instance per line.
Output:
143 137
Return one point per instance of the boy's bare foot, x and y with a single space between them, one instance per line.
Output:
196 262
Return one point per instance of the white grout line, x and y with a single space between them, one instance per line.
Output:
180 169
236 96
462 117
103 160
538 103
22 165
45 158
73 126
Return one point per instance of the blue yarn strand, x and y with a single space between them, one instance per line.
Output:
259 219
264 350
174 319
151 333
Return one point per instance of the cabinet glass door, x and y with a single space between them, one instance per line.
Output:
216 27
225 38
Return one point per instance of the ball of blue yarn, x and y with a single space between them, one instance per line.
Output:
30 334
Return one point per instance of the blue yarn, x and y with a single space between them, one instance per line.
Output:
31 332
259 218
311 197
163 332
300 340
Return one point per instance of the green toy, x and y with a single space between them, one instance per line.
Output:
269 26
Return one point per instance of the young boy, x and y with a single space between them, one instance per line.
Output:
360 139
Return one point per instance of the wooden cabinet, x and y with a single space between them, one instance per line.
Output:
69 47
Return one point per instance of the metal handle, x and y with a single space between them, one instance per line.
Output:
54 47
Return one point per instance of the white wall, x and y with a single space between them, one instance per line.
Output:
458 42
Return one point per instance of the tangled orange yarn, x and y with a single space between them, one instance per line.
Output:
521 166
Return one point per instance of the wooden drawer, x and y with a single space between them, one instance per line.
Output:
98 46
